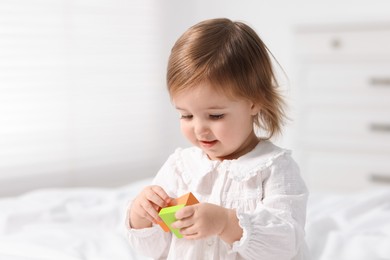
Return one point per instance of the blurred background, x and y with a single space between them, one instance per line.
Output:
83 99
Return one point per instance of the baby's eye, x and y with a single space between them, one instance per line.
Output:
215 117
185 116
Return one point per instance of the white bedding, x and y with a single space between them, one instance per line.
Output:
67 224
349 227
88 224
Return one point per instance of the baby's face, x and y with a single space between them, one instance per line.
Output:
222 127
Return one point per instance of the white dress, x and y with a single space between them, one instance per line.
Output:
265 188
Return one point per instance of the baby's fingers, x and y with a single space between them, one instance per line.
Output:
183 223
155 198
151 211
158 196
185 212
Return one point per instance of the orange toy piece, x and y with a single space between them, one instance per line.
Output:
186 200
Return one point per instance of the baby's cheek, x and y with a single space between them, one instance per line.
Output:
187 132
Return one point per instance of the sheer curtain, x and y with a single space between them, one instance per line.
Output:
80 86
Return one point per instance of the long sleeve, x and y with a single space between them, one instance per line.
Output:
154 242
275 229
151 242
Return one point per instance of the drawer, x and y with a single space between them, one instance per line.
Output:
379 99
348 76
362 41
346 84
345 172
357 128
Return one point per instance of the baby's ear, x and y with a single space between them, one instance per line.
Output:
255 109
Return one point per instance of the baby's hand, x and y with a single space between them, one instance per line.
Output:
145 207
201 220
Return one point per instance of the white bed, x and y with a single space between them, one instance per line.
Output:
353 226
87 224
67 224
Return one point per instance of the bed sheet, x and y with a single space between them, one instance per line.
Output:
88 224
349 226
67 224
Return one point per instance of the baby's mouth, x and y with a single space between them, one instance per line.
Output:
208 143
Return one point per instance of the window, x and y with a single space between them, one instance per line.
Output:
80 83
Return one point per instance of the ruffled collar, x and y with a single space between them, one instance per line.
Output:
195 164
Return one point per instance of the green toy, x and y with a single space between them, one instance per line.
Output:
168 216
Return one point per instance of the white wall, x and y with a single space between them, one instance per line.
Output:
80 91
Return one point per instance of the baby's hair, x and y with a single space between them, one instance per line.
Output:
232 58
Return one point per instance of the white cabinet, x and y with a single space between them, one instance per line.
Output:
343 120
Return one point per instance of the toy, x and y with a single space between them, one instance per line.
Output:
167 214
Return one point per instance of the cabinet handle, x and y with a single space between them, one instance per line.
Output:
378 127
380 178
380 82
335 43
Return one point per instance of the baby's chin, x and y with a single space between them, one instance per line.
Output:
218 157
